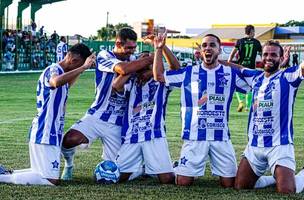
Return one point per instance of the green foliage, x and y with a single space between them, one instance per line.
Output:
293 23
108 33
17 109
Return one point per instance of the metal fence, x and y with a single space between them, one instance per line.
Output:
26 52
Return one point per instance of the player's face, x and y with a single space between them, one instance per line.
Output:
75 61
271 58
128 48
210 50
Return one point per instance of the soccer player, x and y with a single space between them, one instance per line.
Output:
45 135
62 49
247 49
206 95
270 130
143 132
105 116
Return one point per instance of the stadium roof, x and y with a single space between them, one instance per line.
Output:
235 32
290 30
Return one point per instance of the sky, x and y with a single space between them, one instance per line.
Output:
85 17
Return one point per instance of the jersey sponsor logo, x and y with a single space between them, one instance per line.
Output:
143 107
216 99
141 126
117 101
112 110
211 84
224 74
216 114
262 132
263 120
210 125
262 106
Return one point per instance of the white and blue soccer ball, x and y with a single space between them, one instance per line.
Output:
106 172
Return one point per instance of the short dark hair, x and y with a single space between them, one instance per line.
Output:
276 44
61 38
126 33
248 29
80 49
216 37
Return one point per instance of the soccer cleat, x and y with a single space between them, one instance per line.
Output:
4 171
67 173
240 107
246 109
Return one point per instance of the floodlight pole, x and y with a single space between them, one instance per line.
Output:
107 30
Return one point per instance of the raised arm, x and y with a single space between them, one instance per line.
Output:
124 68
158 65
231 64
169 56
70 77
232 54
302 68
286 56
119 82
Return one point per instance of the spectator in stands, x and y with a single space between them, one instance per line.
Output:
295 61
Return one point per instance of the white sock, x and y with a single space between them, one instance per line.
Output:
265 181
25 178
68 155
300 181
22 170
135 175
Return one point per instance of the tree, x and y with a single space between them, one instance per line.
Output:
293 23
108 33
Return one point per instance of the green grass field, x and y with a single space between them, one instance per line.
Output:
17 108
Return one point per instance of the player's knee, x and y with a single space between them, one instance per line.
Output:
54 181
184 181
73 138
167 178
238 185
124 177
227 182
286 189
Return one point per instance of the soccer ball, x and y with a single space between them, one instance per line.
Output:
106 172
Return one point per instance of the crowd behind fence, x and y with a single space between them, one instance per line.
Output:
25 50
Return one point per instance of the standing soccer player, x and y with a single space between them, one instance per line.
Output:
247 48
105 116
206 95
62 49
270 130
143 132
45 136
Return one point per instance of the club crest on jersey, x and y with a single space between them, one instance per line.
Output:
55 164
223 82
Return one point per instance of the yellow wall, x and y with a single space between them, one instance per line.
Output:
182 42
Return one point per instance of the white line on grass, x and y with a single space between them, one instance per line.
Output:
10 121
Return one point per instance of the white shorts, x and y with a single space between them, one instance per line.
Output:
263 158
110 134
154 154
194 156
45 159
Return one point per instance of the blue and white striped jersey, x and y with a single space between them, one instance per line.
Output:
47 126
61 51
107 106
146 110
206 96
270 117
